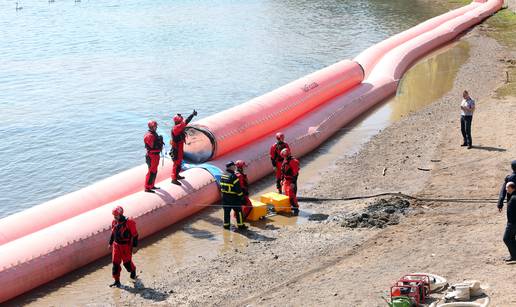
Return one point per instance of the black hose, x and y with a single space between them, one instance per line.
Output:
402 195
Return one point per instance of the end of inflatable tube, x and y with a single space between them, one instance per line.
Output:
200 145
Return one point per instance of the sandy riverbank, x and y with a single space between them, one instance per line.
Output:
324 263
319 263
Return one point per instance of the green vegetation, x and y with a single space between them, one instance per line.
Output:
504 20
502 27
464 2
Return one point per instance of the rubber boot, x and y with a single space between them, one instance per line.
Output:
295 211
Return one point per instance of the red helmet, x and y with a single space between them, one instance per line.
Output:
240 164
178 119
118 211
280 136
152 124
285 152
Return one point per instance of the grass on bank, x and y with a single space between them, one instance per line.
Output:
464 2
502 27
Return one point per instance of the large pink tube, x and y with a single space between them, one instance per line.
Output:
105 191
264 114
308 132
369 57
398 60
54 251
41 256
313 129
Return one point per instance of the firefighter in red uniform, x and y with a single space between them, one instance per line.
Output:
290 172
177 141
244 184
124 238
154 145
276 159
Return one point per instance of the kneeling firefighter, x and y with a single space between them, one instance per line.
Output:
232 196
124 237
244 184
289 173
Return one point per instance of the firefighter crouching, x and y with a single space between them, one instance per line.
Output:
232 196
276 158
244 184
177 141
154 144
124 238
290 172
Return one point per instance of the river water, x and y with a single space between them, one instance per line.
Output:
80 80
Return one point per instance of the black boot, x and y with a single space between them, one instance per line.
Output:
116 284
174 181
133 274
180 177
149 191
295 211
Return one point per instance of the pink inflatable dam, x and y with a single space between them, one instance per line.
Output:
54 211
56 250
72 231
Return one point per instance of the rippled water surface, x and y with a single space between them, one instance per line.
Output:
79 81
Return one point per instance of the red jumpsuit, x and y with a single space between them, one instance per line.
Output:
124 237
178 141
290 171
277 160
153 144
244 184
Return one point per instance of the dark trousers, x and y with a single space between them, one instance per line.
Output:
465 128
238 214
509 238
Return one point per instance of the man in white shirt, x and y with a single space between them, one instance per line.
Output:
467 107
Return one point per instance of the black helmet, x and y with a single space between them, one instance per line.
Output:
513 165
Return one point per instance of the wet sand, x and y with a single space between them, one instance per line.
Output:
293 261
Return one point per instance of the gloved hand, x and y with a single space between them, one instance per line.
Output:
194 112
173 153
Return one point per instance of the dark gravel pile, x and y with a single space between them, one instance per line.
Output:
379 214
